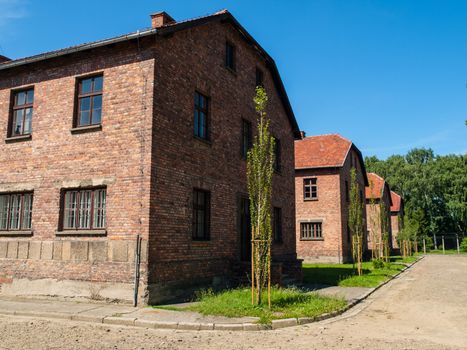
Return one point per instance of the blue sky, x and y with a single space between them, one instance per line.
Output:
390 75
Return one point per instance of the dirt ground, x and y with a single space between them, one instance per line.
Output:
425 308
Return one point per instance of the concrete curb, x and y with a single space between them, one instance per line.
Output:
134 322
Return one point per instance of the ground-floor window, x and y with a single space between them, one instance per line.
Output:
84 209
311 230
277 225
201 214
15 211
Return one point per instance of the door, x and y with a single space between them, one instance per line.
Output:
245 229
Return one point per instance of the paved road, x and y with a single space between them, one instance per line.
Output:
425 308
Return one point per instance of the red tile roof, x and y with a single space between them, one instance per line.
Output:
321 151
376 186
396 201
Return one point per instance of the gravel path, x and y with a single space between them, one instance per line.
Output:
425 308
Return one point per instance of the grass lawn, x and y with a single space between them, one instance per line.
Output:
286 303
344 275
447 251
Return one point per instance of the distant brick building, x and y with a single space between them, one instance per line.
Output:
397 217
322 185
376 192
143 135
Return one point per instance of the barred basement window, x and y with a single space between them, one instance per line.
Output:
310 188
22 108
201 121
201 214
84 209
89 101
311 231
15 211
246 138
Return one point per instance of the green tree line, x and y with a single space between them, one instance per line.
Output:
434 188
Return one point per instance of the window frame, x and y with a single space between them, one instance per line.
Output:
277 223
206 112
14 107
92 94
206 207
311 198
77 214
347 191
312 237
20 213
247 135
230 56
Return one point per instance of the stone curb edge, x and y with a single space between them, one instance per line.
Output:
276 324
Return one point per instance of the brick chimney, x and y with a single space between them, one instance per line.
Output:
4 59
160 19
302 134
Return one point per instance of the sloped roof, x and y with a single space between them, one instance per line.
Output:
376 186
321 151
325 151
220 16
396 202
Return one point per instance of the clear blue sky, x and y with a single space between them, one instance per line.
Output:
390 75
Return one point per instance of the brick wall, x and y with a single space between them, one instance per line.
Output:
373 220
118 157
331 208
181 162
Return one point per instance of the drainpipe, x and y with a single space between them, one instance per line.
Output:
137 263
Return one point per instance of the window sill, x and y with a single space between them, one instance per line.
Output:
82 129
16 233
311 239
18 138
207 142
310 199
81 233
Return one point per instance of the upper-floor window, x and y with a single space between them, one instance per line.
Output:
84 209
310 188
229 56
201 214
22 108
89 101
311 231
201 116
15 211
259 77
277 155
246 138
277 225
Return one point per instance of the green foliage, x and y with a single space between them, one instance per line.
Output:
377 263
463 245
356 221
433 185
342 274
285 303
260 169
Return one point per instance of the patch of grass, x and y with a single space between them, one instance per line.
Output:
286 303
167 307
446 252
344 275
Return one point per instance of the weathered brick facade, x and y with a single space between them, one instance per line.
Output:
376 193
333 158
146 156
397 217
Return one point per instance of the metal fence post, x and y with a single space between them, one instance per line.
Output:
424 246
444 251
434 241
458 248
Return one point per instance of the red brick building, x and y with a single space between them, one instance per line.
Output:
377 192
142 135
397 217
322 185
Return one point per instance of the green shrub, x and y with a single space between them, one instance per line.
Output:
378 263
464 245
